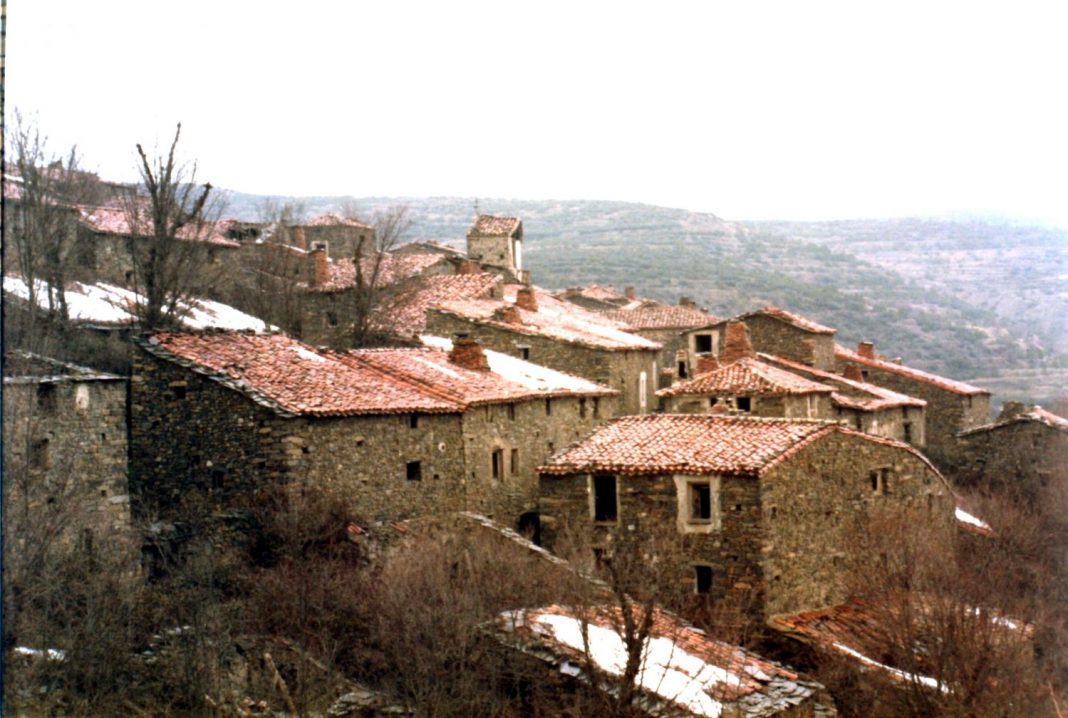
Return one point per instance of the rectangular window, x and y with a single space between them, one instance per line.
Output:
497 463
511 412
524 353
46 398
880 481
582 408
596 407
413 421
605 506
702 579
907 427
414 471
515 461
703 343
548 407
682 370
217 478
700 502
744 403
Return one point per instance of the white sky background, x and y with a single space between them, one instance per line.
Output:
746 109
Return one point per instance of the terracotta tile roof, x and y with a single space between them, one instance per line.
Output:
115 220
606 293
790 318
489 225
294 379
939 382
661 316
747 376
688 443
555 319
1036 414
849 394
682 667
332 219
403 312
394 268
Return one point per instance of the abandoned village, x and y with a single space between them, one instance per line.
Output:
723 487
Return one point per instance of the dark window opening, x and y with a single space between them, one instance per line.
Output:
703 343
682 370
46 398
605 507
179 392
700 502
331 319
907 426
511 412
864 374
497 463
713 401
880 481
87 541
601 559
582 408
702 579
413 421
529 527
524 353
515 461
217 477
596 407
414 471
552 447
744 403
548 407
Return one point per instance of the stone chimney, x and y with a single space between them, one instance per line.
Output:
686 302
866 350
508 313
629 293
468 354
705 364
468 266
736 344
299 240
320 267
852 371
525 299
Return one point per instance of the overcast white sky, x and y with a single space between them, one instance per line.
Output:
746 109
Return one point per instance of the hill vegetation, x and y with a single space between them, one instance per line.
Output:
967 299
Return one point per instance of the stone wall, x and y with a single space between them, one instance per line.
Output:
890 422
619 370
811 502
494 251
65 464
534 430
1021 459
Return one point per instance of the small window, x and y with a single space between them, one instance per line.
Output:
744 403
46 398
713 401
582 408
682 370
702 579
40 456
700 502
331 319
497 463
703 343
511 412
596 407
551 446
907 426
413 421
414 471
515 461
605 505
179 391
548 407
880 481
217 477
524 353
864 374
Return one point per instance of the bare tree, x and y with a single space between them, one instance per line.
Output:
370 259
170 221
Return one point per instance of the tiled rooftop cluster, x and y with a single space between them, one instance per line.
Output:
661 316
956 387
295 379
690 443
489 225
116 220
403 313
746 376
848 394
553 318
392 269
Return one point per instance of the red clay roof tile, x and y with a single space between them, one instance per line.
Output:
489 225
745 377
950 385
850 394
661 316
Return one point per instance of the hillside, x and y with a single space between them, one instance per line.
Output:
969 300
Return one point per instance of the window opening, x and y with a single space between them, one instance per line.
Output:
515 461
605 506
414 471
700 502
702 579
497 463
744 403
703 343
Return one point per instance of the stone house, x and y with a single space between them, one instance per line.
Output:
65 456
772 331
530 323
763 509
497 243
952 406
1023 454
231 419
597 298
664 324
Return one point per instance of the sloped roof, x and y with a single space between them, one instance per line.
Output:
554 319
783 315
116 220
743 377
1036 414
489 225
849 394
923 377
661 316
689 443
393 268
682 668
332 219
297 380
403 312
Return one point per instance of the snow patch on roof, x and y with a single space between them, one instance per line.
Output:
896 672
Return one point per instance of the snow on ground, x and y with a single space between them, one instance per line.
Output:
667 670
965 517
103 303
526 374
